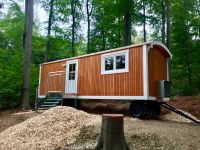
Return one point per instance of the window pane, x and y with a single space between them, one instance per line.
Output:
72 69
120 62
72 76
109 63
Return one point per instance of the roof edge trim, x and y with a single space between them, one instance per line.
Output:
161 45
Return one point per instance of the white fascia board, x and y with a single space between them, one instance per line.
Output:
168 77
151 98
39 81
165 99
41 96
161 45
113 97
97 53
145 72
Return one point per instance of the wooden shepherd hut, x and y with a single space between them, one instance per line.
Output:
138 73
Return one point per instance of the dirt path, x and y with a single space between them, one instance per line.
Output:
11 117
158 134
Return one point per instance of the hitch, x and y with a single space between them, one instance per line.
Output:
169 107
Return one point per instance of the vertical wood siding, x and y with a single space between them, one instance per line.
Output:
92 83
157 61
56 83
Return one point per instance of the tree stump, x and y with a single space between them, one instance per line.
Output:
112 133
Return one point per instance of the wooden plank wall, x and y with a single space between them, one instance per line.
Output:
157 69
54 81
92 83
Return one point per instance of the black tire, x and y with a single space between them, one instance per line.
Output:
136 110
157 109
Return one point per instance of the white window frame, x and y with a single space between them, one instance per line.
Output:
114 54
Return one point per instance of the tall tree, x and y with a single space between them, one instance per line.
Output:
89 9
163 17
48 44
185 47
127 22
27 53
168 13
74 6
144 20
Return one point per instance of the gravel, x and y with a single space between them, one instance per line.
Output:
51 130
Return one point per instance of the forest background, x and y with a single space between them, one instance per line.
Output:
77 27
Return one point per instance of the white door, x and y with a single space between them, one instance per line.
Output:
71 76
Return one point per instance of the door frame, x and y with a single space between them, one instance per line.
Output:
76 76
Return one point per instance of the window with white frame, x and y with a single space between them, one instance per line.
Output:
115 62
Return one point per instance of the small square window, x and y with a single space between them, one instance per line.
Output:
115 62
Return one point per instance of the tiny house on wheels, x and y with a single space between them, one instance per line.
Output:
137 73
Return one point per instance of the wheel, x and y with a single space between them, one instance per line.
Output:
136 110
154 108
157 109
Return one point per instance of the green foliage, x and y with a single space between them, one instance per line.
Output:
185 47
107 31
11 57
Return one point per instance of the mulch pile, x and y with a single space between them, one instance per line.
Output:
51 130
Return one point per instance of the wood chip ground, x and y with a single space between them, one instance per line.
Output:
51 130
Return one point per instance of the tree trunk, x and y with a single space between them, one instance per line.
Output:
127 23
27 53
48 46
88 25
186 54
73 9
112 133
163 21
89 13
119 33
144 21
168 23
103 39
168 15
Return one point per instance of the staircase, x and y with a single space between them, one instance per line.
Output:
52 99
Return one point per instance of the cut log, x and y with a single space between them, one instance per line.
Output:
112 133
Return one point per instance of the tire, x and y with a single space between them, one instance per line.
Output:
136 110
157 109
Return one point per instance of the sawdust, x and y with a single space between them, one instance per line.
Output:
23 113
51 130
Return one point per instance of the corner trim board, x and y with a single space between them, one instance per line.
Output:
145 72
39 81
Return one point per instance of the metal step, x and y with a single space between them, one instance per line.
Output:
53 99
41 108
47 102
48 105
